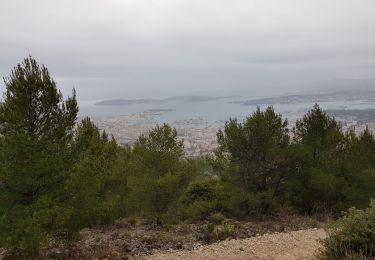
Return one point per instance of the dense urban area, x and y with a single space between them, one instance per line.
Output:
202 140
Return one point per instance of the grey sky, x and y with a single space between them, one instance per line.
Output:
153 48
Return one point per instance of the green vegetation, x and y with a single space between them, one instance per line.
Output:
157 172
95 183
36 127
58 175
335 169
352 236
255 162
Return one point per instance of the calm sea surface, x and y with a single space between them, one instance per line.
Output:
208 112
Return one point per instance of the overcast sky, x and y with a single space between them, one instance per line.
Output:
153 48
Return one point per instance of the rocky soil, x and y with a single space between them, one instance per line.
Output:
303 244
140 239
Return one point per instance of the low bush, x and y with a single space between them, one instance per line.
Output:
217 218
200 200
352 236
229 229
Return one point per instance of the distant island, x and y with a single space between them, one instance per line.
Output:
160 110
274 100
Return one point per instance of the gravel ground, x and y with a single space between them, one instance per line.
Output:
130 238
302 244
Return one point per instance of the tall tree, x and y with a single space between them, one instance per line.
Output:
255 152
335 169
314 186
97 182
36 127
157 173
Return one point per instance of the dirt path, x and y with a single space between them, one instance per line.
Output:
301 244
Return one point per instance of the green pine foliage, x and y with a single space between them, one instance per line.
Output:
97 181
333 169
319 133
36 127
158 173
256 165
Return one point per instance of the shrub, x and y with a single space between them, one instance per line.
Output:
217 218
352 236
229 229
200 191
200 200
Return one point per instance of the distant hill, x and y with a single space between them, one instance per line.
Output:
275 100
320 91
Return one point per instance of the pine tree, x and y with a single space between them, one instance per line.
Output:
321 183
97 183
255 150
156 172
319 132
36 128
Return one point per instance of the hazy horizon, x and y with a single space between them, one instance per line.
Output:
144 49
